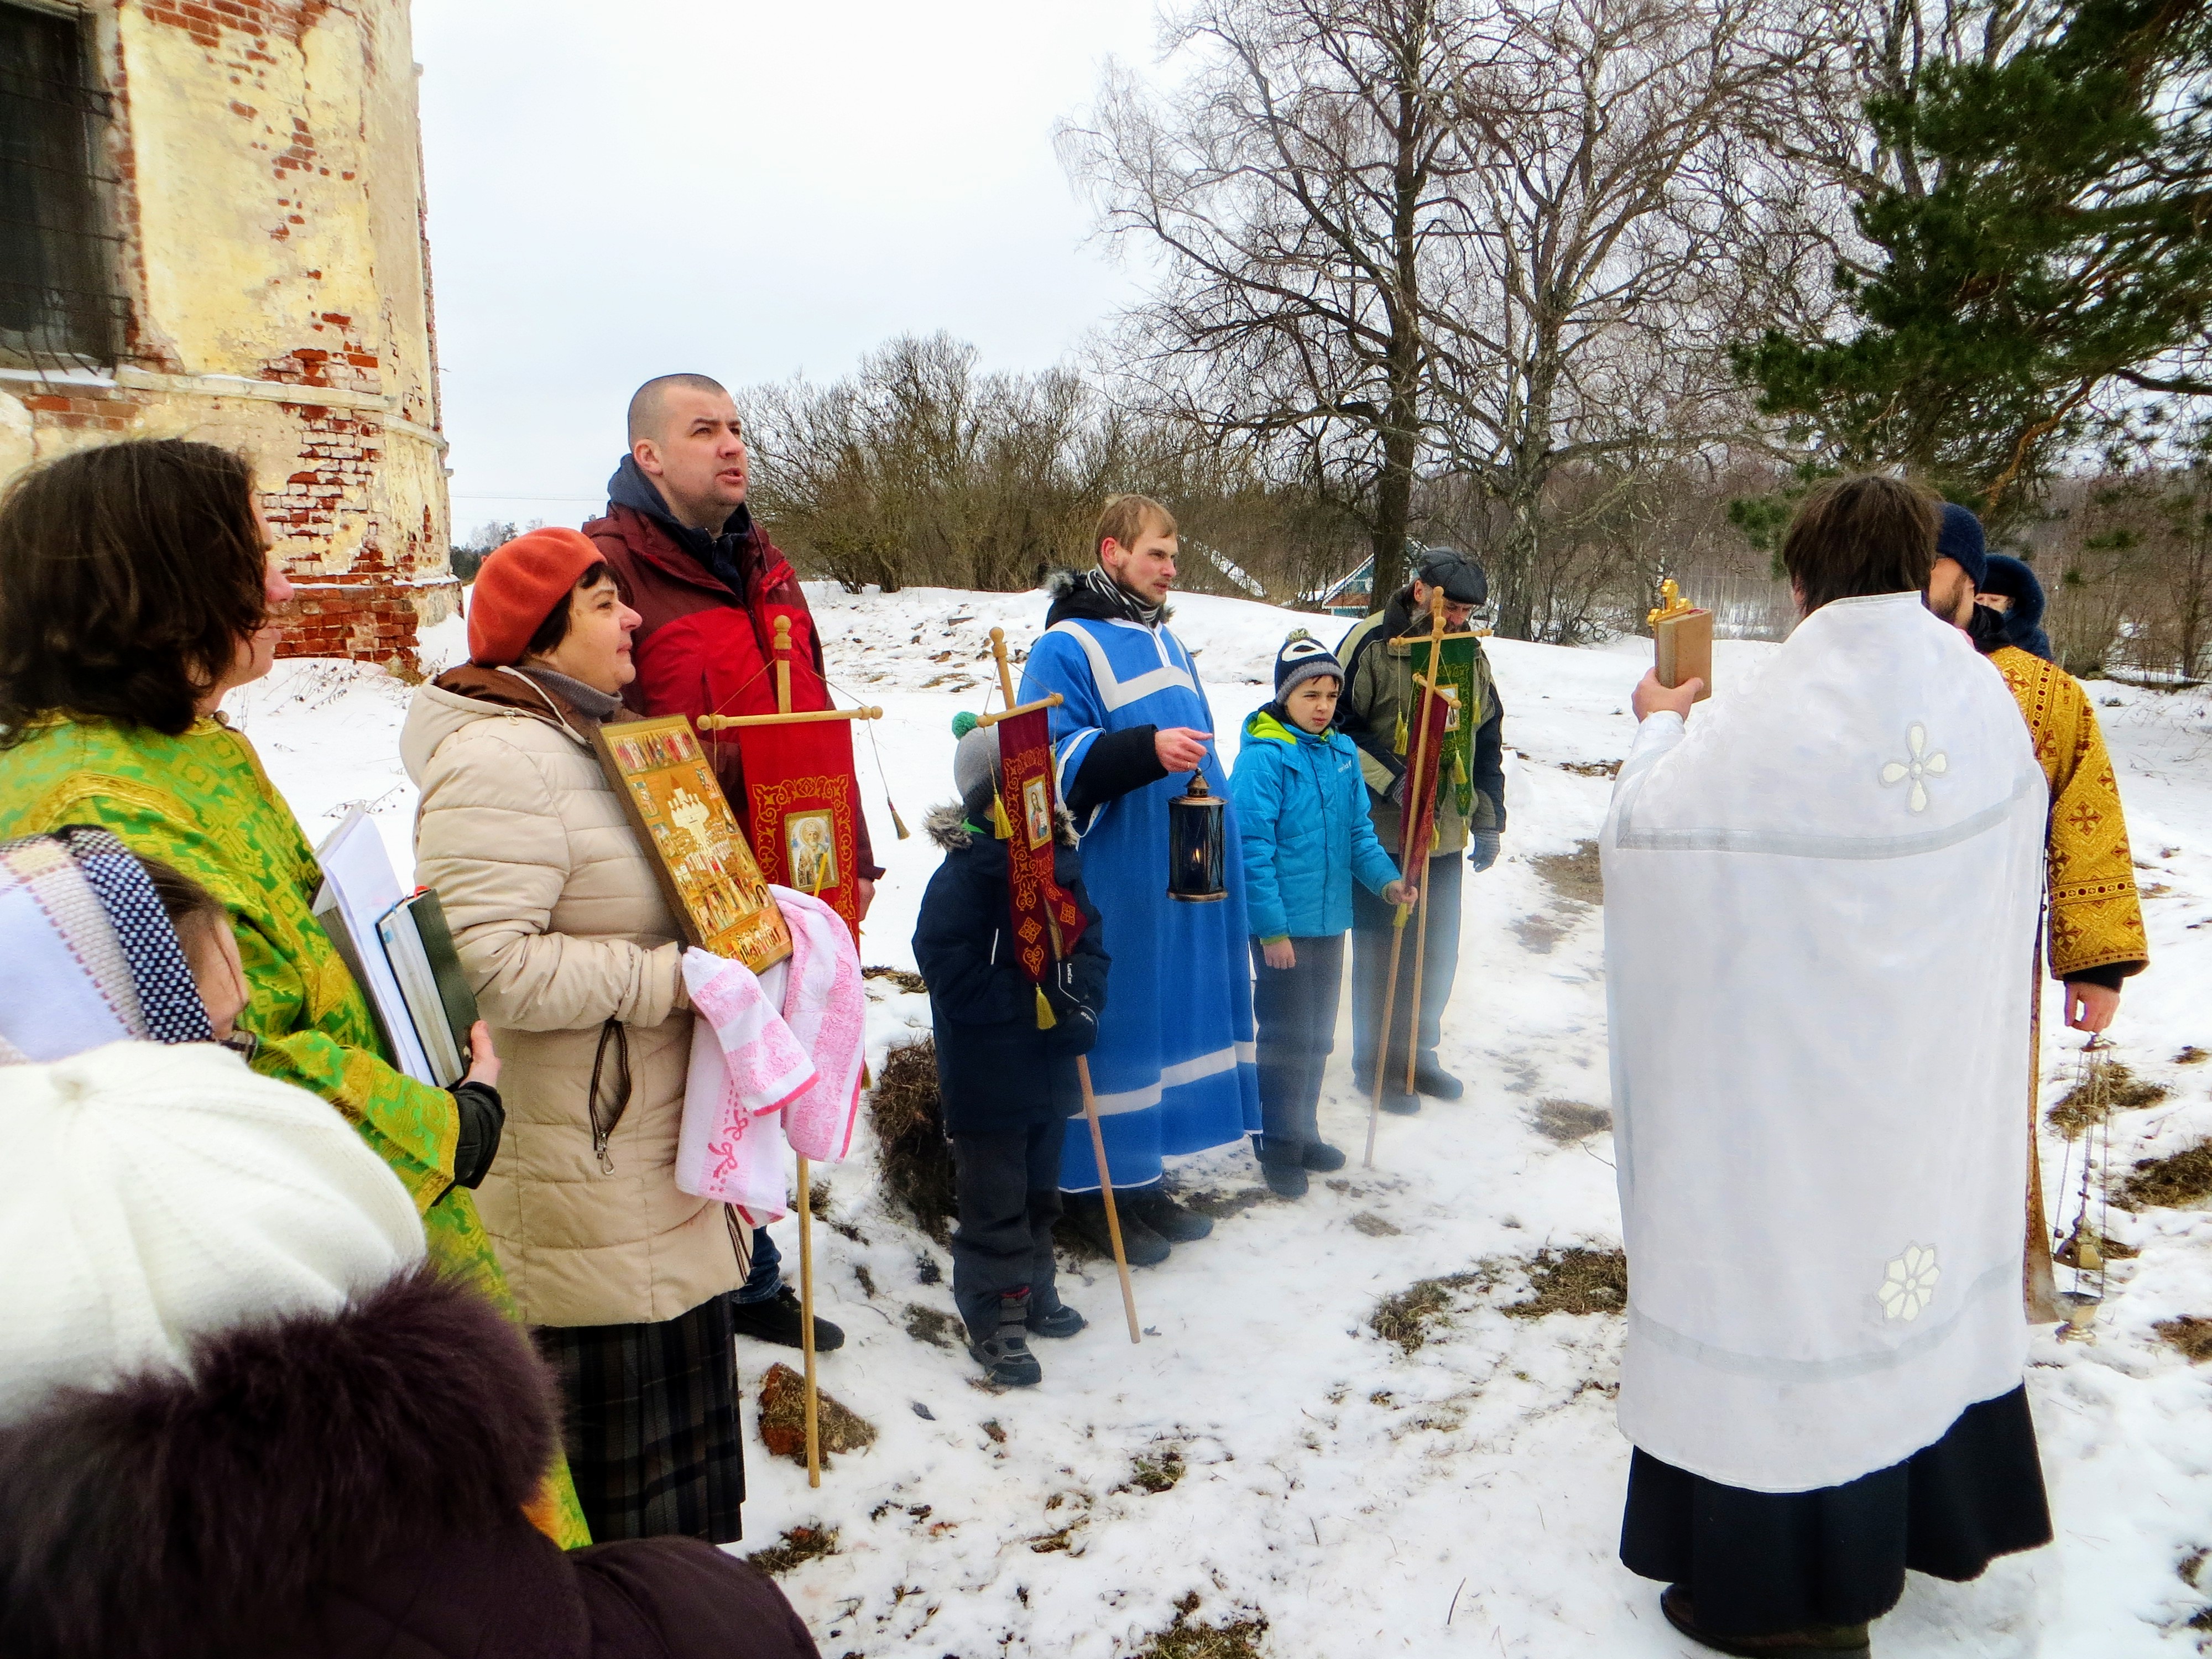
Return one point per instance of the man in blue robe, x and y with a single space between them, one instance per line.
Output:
1173 1066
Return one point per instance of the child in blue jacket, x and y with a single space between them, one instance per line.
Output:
1302 809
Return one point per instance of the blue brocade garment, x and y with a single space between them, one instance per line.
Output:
1172 1068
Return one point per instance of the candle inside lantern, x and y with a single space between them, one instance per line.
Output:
1196 827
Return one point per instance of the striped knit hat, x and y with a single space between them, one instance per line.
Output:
1304 658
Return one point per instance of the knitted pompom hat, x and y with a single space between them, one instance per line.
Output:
976 768
166 1193
1304 658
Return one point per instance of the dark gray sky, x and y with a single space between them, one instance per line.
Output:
749 190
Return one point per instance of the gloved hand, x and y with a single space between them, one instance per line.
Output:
1059 987
1482 848
1076 1026
483 1119
1396 794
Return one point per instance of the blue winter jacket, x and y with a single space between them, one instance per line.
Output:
1302 812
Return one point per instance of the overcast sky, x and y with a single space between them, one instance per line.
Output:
746 190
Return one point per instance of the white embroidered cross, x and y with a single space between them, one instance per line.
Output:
1908 1285
1920 766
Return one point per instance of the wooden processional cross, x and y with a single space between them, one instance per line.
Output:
785 716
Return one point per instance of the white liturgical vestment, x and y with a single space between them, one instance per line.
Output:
1820 898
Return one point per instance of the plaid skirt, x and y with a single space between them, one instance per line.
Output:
651 1417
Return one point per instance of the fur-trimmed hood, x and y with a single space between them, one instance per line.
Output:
175 1514
948 826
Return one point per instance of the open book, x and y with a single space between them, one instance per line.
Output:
400 951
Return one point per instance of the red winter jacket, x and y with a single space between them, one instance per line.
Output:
704 648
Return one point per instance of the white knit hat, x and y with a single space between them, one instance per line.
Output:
153 1193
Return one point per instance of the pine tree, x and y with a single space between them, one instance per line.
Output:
2043 229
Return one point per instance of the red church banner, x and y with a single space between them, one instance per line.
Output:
1421 791
802 809
1046 920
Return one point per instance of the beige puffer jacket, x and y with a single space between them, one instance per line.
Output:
562 928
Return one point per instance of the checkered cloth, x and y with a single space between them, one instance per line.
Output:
87 956
652 1412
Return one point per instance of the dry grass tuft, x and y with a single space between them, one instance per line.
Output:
1575 1280
1574 875
940 1330
2191 1334
2181 1179
1375 1226
783 1419
2123 1090
1156 1473
904 979
1405 1318
799 1545
1566 1122
907 1117
2191 1054
1239 1639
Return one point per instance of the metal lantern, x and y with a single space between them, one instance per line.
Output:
1195 824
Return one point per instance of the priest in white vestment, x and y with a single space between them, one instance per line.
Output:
1820 887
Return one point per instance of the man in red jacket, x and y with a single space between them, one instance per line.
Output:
710 586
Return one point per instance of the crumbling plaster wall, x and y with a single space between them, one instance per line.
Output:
269 193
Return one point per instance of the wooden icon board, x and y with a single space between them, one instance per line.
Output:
706 869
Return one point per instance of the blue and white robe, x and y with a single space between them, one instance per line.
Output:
1173 1068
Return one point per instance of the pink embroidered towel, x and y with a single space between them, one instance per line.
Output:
826 1008
746 1066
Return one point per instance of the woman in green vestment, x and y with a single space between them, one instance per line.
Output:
135 588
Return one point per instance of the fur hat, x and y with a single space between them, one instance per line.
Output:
1304 658
1960 539
166 1193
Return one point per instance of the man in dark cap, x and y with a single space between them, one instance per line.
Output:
1379 705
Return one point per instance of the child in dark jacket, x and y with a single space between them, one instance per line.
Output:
1008 1087
1302 815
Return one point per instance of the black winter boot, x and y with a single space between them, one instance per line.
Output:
777 1321
1062 1320
1155 1210
1285 1180
1004 1354
1086 1213
1431 1079
1321 1158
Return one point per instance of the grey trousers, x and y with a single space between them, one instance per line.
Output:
1370 970
1294 1010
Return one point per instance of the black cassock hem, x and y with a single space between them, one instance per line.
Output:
1758 1563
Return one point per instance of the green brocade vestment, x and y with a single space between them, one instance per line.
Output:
202 803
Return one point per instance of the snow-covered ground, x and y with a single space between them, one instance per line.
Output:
1465 1497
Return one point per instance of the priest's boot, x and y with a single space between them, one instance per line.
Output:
1431 1079
1004 1354
1813 1642
1086 1213
1153 1207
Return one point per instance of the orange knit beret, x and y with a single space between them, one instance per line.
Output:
517 588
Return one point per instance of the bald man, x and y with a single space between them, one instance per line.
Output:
710 586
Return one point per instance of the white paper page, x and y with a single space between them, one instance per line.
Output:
359 875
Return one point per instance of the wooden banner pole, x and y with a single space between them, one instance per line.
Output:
1408 831
805 1180
1082 1061
731 723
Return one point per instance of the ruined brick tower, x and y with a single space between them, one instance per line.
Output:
211 227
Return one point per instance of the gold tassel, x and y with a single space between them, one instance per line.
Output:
1001 826
1401 732
1045 1020
897 823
